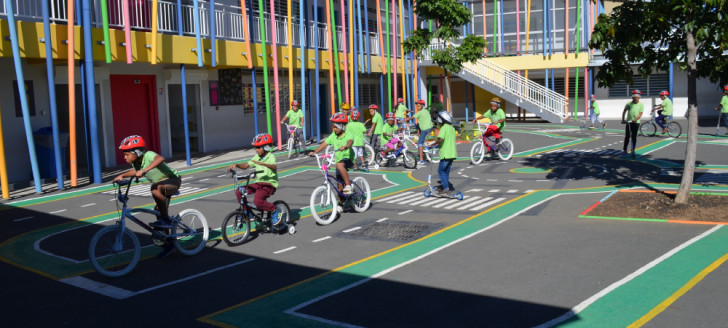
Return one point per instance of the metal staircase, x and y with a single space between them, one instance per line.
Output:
512 87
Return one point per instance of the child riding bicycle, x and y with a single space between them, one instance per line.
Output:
498 119
267 180
388 135
356 130
295 118
664 110
165 180
342 142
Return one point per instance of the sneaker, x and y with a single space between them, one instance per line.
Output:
604 125
347 189
165 251
162 223
422 162
444 193
275 217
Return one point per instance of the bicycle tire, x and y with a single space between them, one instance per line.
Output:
409 160
284 211
477 152
363 197
648 129
380 160
105 260
235 228
194 223
289 145
368 154
505 149
321 203
674 129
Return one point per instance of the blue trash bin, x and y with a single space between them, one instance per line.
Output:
45 153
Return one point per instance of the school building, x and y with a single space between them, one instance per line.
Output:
202 76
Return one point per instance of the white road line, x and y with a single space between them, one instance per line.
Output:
528 191
352 229
22 219
322 239
285 250
492 180
395 196
474 200
405 212
515 180
511 191
404 198
424 200
465 176
87 205
222 176
382 219
59 211
414 199
450 201
186 178
471 204
543 180
487 204
494 190
205 179
474 190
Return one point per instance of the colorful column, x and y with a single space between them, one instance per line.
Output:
48 43
274 51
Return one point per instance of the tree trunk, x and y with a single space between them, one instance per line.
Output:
691 150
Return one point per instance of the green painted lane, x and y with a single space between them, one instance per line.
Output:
20 250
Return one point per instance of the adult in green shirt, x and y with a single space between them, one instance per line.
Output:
165 180
594 114
633 112
446 141
422 115
401 111
343 156
664 110
356 130
267 180
295 118
375 131
723 106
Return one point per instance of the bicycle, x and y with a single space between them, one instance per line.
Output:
368 152
431 153
114 250
408 159
323 198
485 144
236 226
293 144
649 128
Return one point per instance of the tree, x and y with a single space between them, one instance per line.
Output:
449 16
691 33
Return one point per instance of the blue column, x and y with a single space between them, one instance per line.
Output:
183 80
367 40
91 90
381 94
213 35
255 101
302 47
671 80
196 14
355 64
360 39
52 92
316 74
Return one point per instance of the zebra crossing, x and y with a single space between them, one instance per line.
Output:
713 176
416 198
574 152
143 190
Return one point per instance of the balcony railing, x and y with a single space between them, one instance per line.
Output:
229 23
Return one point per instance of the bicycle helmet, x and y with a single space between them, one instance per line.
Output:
636 93
421 102
263 140
444 117
294 103
400 100
726 89
355 116
389 116
593 97
134 144
664 93
344 106
374 107
340 120
495 100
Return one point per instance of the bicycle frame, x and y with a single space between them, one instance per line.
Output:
487 141
245 207
329 180
127 213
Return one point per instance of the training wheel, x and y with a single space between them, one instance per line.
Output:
291 229
427 192
459 196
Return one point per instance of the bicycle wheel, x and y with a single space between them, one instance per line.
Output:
284 211
235 228
289 145
193 230
363 195
368 154
505 149
409 159
477 152
323 201
674 129
647 129
114 253
380 160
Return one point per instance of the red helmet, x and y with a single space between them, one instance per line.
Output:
594 97
132 142
421 102
636 93
340 118
374 107
726 88
294 103
262 140
389 115
355 116
400 100
664 93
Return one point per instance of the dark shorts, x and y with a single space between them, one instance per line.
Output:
347 165
169 186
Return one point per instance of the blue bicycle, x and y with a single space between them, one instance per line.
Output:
408 159
325 198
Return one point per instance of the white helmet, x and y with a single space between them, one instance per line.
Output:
444 117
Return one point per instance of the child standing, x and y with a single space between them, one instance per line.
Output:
448 151
267 180
375 132
595 112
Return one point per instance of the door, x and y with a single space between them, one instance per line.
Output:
176 118
134 107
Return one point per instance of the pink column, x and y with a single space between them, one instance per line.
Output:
342 12
274 51
394 52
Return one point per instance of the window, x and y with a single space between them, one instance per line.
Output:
650 86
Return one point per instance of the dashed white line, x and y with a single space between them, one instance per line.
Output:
543 180
322 239
352 229
512 191
285 250
87 205
492 180
222 176
59 211
405 212
22 219
515 180
494 190
186 178
382 219
205 179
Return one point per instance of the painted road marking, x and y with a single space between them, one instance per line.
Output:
322 239
450 201
285 250
405 212
477 208
352 229
23 219
494 190
429 200
474 203
55 212
143 190
382 219
396 196
404 198
87 205
474 190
